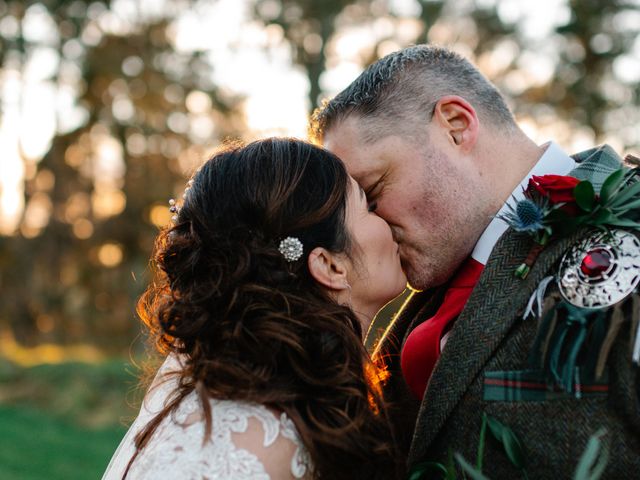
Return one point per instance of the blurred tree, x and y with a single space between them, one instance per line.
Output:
309 26
101 191
135 113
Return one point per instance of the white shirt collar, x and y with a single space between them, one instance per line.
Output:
553 161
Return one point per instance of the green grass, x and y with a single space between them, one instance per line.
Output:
35 445
63 421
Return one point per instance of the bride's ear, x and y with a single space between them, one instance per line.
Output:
328 269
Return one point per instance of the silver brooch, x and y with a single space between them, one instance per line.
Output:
291 249
600 270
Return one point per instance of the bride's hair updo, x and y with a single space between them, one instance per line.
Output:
255 327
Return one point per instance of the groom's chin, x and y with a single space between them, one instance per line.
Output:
418 280
424 277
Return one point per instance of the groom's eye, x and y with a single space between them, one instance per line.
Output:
372 206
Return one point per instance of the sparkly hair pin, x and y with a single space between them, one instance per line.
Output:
291 249
173 206
174 209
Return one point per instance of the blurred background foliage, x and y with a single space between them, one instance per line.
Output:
106 107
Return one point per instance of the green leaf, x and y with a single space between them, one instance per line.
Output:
624 222
611 185
557 215
509 441
481 442
424 470
625 194
468 468
585 195
628 205
495 427
594 459
601 217
513 447
451 466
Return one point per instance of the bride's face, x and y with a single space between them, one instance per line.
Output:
375 275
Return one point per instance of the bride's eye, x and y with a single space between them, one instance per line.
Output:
372 206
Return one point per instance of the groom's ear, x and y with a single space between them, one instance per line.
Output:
459 120
328 269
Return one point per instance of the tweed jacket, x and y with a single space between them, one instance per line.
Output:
490 335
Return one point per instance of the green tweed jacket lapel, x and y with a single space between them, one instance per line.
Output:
496 304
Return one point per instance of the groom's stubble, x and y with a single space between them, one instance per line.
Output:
433 204
451 220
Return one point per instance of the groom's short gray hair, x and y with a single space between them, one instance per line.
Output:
404 87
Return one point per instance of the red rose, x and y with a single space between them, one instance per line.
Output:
558 188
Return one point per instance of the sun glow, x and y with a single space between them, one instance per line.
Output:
39 91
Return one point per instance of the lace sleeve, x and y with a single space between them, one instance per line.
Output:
274 444
247 441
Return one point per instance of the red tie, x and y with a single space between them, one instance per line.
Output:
422 348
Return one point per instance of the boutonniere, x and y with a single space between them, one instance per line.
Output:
557 205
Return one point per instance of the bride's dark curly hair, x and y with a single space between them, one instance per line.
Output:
254 327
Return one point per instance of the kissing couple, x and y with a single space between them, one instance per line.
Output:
282 252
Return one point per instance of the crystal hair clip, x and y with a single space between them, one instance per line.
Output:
291 249
173 206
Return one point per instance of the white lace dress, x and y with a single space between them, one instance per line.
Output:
247 441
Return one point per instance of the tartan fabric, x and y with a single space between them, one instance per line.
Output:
490 335
531 386
596 171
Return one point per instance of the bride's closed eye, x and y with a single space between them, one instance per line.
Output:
372 206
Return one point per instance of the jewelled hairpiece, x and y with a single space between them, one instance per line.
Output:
291 249
173 206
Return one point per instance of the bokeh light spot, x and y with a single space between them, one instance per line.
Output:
110 254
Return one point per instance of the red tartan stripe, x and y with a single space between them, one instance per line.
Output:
541 386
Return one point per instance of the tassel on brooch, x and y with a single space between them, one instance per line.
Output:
615 322
549 316
572 341
536 299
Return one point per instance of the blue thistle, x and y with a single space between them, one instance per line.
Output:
527 216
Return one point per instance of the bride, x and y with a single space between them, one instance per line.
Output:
266 283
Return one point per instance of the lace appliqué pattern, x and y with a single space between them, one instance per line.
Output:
178 448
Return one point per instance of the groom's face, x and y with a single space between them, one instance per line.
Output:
419 189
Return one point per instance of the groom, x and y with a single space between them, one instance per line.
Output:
441 159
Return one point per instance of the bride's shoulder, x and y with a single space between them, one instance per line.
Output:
246 441
269 435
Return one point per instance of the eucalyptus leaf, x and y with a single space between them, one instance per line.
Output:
585 195
625 194
425 470
451 466
509 441
624 222
601 217
628 205
495 427
469 469
611 184
593 460
513 447
481 442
